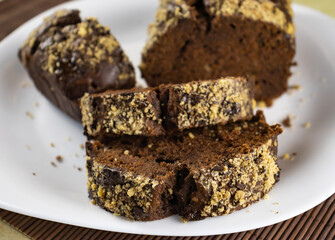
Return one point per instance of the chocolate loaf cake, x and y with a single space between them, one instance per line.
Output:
208 39
67 57
131 112
196 173
152 112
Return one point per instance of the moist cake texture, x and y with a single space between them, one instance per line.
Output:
172 107
208 39
67 57
196 173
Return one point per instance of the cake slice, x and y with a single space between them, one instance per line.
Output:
196 173
204 103
208 39
131 112
67 56
152 112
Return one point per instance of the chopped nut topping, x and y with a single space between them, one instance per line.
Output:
288 156
126 152
191 135
30 115
307 125
26 84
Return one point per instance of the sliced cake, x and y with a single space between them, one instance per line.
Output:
153 111
208 39
131 112
196 173
67 57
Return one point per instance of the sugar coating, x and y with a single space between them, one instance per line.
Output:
125 113
212 102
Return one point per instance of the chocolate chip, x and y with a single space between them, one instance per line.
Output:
257 160
217 168
240 186
111 177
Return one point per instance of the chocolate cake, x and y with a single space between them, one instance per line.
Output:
152 112
208 39
196 173
67 57
132 112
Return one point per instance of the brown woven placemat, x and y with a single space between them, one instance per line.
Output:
317 223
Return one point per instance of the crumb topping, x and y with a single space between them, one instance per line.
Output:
247 179
212 102
88 38
71 45
262 10
170 12
122 197
129 113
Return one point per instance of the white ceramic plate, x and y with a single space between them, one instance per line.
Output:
59 193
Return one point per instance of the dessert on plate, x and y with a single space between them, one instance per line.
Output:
197 173
67 57
208 39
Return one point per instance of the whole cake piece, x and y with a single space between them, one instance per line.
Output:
196 173
67 57
208 39
153 111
